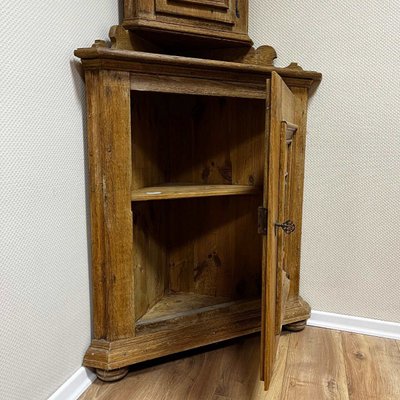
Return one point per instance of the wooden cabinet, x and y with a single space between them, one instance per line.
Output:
220 22
196 180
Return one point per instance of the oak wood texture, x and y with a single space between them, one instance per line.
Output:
198 23
296 187
189 191
212 258
124 39
185 270
276 284
215 70
296 326
296 310
287 135
112 375
176 140
179 304
108 104
190 331
313 364
171 312
188 85
372 367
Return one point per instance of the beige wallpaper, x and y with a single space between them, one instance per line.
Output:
351 236
44 279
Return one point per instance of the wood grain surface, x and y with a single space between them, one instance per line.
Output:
146 132
314 364
202 22
181 191
275 281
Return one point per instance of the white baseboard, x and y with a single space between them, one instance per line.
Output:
347 323
75 385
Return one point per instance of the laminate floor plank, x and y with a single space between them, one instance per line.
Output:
315 367
373 367
279 376
315 364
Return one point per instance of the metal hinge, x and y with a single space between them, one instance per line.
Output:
262 220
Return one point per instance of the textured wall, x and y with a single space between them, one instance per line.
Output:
351 236
44 290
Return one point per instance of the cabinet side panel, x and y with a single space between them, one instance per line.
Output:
96 205
149 254
150 116
296 188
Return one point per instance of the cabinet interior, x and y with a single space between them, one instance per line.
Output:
197 181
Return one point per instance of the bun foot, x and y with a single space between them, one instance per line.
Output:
112 375
296 326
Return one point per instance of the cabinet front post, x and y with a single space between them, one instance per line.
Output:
109 145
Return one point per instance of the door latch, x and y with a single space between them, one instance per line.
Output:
288 226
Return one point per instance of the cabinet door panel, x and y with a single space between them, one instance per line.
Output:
222 11
212 3
276 283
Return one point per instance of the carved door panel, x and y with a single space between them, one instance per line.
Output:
222 11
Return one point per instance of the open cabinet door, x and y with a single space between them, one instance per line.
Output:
276 283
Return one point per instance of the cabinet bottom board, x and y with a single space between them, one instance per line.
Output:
173 308
236 319
233 320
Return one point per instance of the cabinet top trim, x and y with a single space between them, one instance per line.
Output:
96 57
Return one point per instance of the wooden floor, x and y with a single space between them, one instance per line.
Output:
315 364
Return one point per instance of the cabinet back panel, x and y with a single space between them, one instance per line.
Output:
206 246
196 139
214 248
148 147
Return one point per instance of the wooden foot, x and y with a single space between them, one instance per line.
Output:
296 310
112 375
296 326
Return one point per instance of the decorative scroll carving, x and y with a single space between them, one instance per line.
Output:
263 55
100 43
294 66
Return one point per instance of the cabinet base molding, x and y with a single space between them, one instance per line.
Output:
111 358
239 319
111 375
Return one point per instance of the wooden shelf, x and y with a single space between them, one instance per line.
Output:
174 305
180 309
173 191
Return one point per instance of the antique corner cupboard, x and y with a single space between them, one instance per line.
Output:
196 187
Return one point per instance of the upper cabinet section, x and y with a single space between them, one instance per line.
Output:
220 11
218 23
